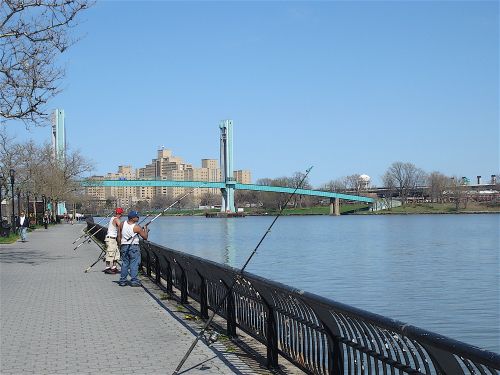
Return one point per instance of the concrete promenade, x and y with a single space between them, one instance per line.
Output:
56 319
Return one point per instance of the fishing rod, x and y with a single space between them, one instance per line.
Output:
103 251
173 204
239 274
95 225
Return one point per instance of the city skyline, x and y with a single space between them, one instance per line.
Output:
346 87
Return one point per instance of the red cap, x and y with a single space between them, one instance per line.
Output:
119 211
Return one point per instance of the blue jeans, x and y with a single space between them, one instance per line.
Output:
23 231
131 258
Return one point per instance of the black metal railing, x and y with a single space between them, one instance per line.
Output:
318 335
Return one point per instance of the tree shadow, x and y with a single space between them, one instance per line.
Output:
23 256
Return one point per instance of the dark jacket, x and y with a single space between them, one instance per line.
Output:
26 223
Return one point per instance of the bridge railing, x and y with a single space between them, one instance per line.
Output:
316 334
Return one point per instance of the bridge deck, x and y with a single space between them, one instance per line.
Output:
220 185
56 319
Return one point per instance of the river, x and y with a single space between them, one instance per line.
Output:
438 272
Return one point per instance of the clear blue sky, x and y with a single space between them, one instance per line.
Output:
348 87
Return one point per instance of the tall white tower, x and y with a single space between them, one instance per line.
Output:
58 135
226 165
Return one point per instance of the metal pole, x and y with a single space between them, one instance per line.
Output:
13 219
28 207
18 202
1 186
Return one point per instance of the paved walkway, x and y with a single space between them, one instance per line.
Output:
56 319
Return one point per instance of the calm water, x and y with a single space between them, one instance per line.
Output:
438 272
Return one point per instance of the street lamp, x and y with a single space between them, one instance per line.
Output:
2 179
28 207
13 219
18 202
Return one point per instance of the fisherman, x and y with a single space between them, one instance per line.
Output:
129 248
112 242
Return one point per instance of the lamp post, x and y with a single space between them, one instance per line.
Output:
34 209
13 219
1 187
28 207
18 202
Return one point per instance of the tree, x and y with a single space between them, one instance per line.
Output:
37 171
405 177
33 33
210 199
438 183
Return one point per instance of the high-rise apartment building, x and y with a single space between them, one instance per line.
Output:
243 177
164 167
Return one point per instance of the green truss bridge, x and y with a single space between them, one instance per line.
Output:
334 197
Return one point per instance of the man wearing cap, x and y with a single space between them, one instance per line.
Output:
129 248
112 240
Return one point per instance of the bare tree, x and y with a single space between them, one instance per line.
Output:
405 177
438 183
335 186
32 35
353 183
210 199
37 171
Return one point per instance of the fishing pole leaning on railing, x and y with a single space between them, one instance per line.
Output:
86 234
103 250
238 276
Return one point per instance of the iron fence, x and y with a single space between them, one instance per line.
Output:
316 334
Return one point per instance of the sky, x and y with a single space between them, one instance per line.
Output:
347 87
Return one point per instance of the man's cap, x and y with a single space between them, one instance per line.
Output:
133 214
119 211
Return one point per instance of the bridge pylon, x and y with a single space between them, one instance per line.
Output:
226 165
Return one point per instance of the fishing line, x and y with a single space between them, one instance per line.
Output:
239 274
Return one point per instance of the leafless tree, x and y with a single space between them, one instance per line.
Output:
295 181
438 183
33 33
38 172
405 177
210 199
335 186
353 183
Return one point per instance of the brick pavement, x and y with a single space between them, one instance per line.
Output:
56 319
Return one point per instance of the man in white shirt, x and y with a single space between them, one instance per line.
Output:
23 225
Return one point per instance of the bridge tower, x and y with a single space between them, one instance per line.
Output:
226 165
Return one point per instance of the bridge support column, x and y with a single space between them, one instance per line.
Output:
226 165
334 206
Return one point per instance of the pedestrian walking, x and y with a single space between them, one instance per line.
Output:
46 219
129 248
23 225
112 241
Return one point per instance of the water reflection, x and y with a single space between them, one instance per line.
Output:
230 247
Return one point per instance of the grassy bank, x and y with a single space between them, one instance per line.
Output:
439 208
357 209
10 239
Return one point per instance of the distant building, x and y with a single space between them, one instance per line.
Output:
243 177
164 167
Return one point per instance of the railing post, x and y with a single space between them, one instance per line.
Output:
148 263
184 286
231 313
335 362
169 278
203 298
272 340
157 270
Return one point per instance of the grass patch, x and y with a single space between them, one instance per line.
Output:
9 239
316 210
165 296
440 208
